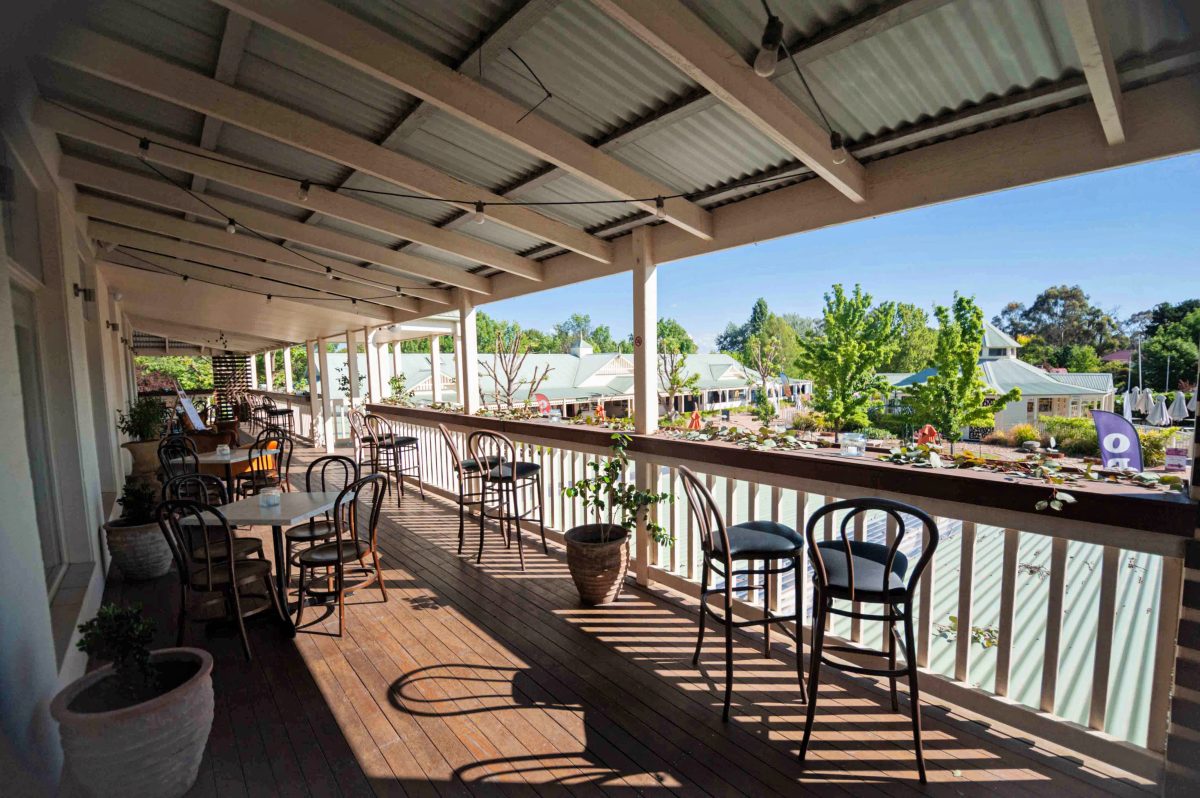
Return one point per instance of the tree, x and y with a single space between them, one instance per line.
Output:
193 373
1063 315
843 358
1147 323
733 340
673 377
672 337
1079 357
1177 340
763 354
956 396
508 356
917 340
801 325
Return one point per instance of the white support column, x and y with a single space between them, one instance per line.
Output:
268 364
645 333
435 366
458 359
396 361
372 365
329 430
252 371
355 394
469 384
287 370
316 428
645 375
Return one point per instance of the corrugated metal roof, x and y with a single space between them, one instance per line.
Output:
425 210
92 152
445 30
567 187
1097 382
185 32
466 152
292 74
256 200
740 22
269 154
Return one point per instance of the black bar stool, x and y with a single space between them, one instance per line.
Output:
507 479
393 453
277 416
723 546
868 573
466 470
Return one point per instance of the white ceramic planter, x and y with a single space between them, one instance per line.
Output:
152 749
140 551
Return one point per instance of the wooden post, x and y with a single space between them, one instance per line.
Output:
372 365
329 433
316 429
352 368
287 369
435 366
645 333
397 363
469 384
458 359
252 371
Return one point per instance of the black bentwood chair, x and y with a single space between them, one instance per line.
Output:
750 542
328 473
867 573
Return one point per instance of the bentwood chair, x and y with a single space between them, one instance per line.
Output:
393 453
177 456
270 460
505 479
244 587
868 573
328 473
778 548
210 489
470 489
354 541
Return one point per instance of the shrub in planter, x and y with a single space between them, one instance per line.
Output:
598 554
137 727
143 423
135 540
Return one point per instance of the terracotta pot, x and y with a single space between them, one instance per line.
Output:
148 749
139 550
145 458
598 566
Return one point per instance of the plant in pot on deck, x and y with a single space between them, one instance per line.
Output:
135 540
598 554
137 727
143 423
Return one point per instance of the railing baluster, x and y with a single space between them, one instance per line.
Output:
575 500
1054 608
775 581
1106 612
730 504
562 481
1008 600
925 603
966 571
673 527
1170 597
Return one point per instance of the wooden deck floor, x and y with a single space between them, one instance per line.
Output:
483 680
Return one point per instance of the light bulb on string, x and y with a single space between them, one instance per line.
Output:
768 50
328 272
268 299
143 148
302 193
660 208
231 227
839 148
479 216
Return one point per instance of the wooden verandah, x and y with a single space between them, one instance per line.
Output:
483 679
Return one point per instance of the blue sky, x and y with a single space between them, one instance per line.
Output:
1128 236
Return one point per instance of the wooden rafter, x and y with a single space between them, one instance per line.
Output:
1086 21
683 38
358 44
128 66
229 58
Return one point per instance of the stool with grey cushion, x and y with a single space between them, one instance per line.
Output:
867 573
752 542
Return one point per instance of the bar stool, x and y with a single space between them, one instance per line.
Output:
508 478
465 470
277 416
867 573
394 453
724 546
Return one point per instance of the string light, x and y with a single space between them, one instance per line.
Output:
268 299
838 146
231 227
328 272
660 208
143 148
768 49
302 194
478 216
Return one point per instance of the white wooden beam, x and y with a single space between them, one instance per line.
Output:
684 39
468 385
645 333
1086 22
128 66
435 366
181 155
355 393
373 51
229 58
218 209
328 422
220 268
200 335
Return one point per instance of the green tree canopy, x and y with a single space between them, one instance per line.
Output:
954 398
157 372
843 359
916 340
673 338
1063 315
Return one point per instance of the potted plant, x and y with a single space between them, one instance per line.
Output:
143 423
598 554
135 540
137 727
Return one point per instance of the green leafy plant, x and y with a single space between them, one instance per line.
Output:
607 490
120 635
1023 433
138 501
764 409
985 636
401 395
144 419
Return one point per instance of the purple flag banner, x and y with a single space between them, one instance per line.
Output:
1120 446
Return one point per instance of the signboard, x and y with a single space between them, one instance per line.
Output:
1120 446
543 403
194 422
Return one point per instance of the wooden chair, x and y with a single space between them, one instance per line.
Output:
868 573
270 460
177 456
209 489
356 527
328 473
210 580
466 471
751 542
507 478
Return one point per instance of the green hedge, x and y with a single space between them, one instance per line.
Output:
1077 437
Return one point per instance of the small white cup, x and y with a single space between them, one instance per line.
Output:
270 497
223 450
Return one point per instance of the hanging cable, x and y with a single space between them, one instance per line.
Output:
768 49
836 143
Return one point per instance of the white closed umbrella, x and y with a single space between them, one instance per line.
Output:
1192 404
1159 416
1127 404
1145 402
1179 409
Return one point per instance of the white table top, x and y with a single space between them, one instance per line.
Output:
234 456
293 508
